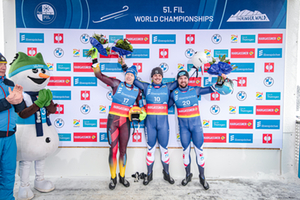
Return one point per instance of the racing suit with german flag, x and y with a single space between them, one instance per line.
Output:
190 126
118 124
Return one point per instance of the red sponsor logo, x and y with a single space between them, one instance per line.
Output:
85 137
31 51
60 109
268 110
267 138
85 95
193 81
269 67
138 38
163 53
242 81
112 54
241 123
59 81
206 67
215 137
58 38
137 137
82 67
269 38
139 67
215 96
243 53
190 38
103 123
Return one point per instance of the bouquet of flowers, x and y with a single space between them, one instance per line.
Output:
123 47
98 40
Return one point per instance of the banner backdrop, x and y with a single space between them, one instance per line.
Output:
166 34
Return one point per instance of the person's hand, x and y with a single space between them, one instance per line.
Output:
42 98
224 76
143 115
121 60
49 97
15 96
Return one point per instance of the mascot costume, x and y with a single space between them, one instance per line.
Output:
36 137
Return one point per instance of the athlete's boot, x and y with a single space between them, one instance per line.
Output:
187 179
113 183
147 179
168 178
124 181
204 183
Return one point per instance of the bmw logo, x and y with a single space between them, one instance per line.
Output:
164 67
58 52
241 95
269 81
59 123
84 38
215 109
109 95
85 109
216 38
189 53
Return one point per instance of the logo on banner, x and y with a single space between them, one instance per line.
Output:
84 38
216 38
267 138
85 109
102 109
241 124
109 95
259 95
220 52
85 137
82 67
61 94
205 123
59 123
31 51
193 81
234 38
189 53
103 123
31 37
58 38
241 95
207 52
248 16
246 110
139 67
232 109
215 109
137 137
103 137
269 38
215 96
242 81
190 38
269 67
247 38
180 66
219 124
268 81
215 137
50 66
268 110
138 38
45 13
269 53
244 68
89 123
59 81
64 137
60 109
85 81
85 95
163 53
243 53
267 124
164 39
240 138
76 123
273 95
76 52
58 52
164 67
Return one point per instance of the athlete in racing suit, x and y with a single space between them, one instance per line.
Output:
125 94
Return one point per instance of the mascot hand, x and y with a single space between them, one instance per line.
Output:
143 115
49 97
42 98
95 53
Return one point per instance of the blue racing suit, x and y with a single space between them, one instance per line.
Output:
190 126
8 146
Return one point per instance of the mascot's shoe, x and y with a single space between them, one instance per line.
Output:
168 178
43 185
25 193
147 179
187 179
113 183
204 183
124 181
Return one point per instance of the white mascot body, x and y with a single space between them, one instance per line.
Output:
36 137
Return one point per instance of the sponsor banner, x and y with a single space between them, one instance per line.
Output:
273 95
193 81
219 123
244 68
243 53
188 112
139 53
268 110
113 38
137 137
60 81
171 110
269 53
267 138
31 37
190 38
209 81
247 38
102 123
241 124
65 137
63 66
245 109
138 125
111 67
157 109
89 123
167 80
85 137
275 38
240 138
60 109
61 94
220 52
103 137
85 81
138 38
267 124
82 67
215 137
164 39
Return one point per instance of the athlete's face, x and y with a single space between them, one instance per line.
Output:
129 78
157 78
183 81
2 69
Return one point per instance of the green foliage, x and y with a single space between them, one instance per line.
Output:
124 44
223 59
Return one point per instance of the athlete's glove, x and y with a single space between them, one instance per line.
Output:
143 115
49 97
42 98
95 52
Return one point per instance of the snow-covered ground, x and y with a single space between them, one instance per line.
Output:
89 188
